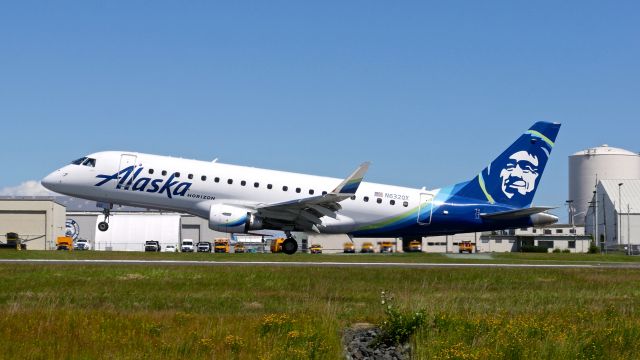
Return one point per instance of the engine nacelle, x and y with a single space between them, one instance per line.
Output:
233 219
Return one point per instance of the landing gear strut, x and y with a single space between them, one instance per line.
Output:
104 225
290 245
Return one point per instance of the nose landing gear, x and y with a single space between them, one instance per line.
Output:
104 225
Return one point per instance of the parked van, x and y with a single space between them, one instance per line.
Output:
187 245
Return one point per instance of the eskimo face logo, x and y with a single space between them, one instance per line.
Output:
519 174
72 229
128 179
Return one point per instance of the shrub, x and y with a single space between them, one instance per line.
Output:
533 249
593 248
566 251
398 326
556 251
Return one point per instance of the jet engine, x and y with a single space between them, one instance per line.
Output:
233 219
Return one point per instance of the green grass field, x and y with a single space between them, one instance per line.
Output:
396 257
263 312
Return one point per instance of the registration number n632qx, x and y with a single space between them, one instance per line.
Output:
396 196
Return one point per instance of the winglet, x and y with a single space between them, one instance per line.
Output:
350 184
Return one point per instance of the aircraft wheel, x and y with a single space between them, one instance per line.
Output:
103 226
289 246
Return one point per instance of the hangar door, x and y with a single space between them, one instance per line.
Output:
128 232
28 225
191 232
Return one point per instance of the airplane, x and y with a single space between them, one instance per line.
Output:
240 199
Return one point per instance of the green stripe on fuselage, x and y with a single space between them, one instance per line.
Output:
399 218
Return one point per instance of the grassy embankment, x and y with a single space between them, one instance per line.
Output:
397 257
85 311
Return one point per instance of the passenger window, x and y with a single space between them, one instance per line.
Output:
353 197
392 202
150 171
78 161
243 183
203 178
285 188
176 174
405 204
311 191
217 179
269 186
164 172
190 176
379 201
298 190
230 181
256 185
324 193
366 199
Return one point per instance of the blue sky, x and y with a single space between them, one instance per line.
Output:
430 92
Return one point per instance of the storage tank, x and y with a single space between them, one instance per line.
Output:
599 163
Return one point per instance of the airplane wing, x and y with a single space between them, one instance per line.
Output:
305 214
515 214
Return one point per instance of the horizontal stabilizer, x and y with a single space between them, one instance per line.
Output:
516 214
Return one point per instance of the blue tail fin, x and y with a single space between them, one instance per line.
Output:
513 177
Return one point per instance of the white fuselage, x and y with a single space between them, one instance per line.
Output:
196 185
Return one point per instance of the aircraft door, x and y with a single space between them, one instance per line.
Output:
126 160
425 209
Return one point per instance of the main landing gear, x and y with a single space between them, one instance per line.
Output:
104 225
290 245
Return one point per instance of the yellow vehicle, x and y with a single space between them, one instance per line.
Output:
64 243
315 249
276 245
465 246
415 246
239 248
221 245
367 247
348 248
13 242
386 247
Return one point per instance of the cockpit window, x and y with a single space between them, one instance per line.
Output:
79 161
89 162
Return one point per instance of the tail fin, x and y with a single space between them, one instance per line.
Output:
513 177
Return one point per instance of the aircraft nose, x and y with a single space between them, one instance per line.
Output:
50 181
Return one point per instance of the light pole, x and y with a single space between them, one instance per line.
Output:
570 208
574 217
595 215
575 235
571 219
620 215
629 229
